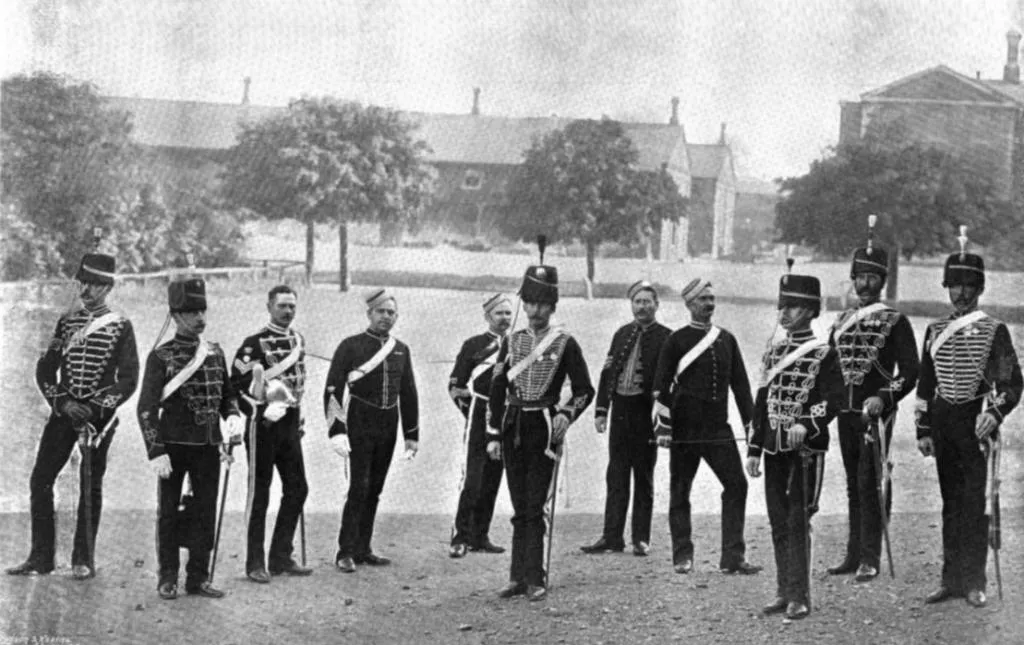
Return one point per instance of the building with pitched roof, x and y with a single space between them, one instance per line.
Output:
980 119
712 199
475 154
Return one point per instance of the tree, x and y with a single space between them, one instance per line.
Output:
69 166
921 195
582 183
324 161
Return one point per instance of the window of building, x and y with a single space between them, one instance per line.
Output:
472 180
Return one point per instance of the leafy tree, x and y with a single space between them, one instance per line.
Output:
324 161
69 166
921 194
582 183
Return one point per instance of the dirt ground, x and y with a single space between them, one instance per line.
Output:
426 597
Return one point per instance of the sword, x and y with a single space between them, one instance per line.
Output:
257 390
805 467
882 475
992 504
553 498
85 448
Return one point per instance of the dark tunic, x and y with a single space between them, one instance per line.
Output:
191 414
975 371
389 385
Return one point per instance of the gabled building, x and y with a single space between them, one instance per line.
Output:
712 199
980 119
475 155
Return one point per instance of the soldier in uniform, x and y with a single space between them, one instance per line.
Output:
185 393
89 369
528 423
470 387
698 366
878 358
970 380
278 421
370 385
801 392
626 385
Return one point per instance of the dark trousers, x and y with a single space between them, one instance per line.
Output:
372 433
481 484
278 445
55 446
202 465
631 452
529 472
791 494
864 540
963 475
724 459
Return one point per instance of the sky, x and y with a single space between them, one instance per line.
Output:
774 71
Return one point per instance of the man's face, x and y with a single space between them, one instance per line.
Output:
795 317
190 323
645 307
500 318
867 285
964 297
538 313
703 306
383 316
93 294
282 309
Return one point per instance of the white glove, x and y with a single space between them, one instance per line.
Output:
161 466
234 428
340 444
275 411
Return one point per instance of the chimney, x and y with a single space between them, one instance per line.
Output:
476 101
721 136
674 120
1011 71
245 91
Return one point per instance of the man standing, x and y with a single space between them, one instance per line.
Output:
970 381
801 392
89 369
626 385
277 439
528 425
878 358
470 387
185 393
370 385
698 366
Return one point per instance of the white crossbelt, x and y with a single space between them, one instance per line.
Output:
858 316
698 349
286 363
80 336
801 351
953 328
202 351
532 357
